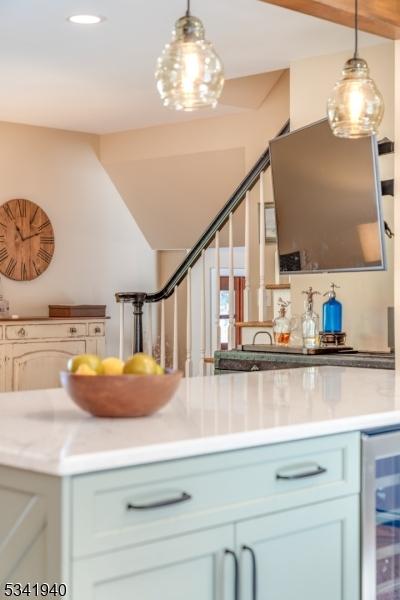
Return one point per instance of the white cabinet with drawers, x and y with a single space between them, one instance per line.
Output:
34 351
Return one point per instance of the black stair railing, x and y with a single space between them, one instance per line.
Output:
137 299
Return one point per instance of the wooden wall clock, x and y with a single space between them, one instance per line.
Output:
26 240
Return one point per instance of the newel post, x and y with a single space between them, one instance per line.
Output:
137 303
137 299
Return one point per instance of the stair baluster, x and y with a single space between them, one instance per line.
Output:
162 336
261 289
175 358
217 344
188 363
246 298
231 326
202 365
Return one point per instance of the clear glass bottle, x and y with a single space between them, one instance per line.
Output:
310 321
282 325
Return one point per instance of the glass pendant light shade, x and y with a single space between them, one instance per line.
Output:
355 107
189 72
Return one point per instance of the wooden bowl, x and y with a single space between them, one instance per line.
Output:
121 395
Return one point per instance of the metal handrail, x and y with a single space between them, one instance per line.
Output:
207 237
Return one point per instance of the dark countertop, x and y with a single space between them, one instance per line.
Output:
239 360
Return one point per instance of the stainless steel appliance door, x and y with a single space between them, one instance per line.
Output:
381 516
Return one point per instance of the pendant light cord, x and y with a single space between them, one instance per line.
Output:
188 8
355 28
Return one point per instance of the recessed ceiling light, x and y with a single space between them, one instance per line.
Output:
86 19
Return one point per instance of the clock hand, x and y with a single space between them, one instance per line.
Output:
31 236
19 232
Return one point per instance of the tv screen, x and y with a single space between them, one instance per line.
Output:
327 195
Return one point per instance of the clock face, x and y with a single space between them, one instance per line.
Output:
26 240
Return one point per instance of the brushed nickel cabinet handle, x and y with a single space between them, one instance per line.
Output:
184 497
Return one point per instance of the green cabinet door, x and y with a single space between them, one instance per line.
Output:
310 553
187 567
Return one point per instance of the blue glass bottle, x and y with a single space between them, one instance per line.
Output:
332 312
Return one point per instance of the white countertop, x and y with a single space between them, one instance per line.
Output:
44 431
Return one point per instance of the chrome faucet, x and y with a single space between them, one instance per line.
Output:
266 333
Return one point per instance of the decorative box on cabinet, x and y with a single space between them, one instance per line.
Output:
34 351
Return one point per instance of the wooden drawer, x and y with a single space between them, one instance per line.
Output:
45 331
96 329
118 508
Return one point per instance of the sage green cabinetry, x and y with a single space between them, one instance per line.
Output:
292 507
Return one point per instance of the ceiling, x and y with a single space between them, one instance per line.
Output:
100 78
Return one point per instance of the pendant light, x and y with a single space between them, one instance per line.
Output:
355 107
189 72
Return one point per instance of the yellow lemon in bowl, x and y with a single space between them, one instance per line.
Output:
112 366
84 370
140 364
91 360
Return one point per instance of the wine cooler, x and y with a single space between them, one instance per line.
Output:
381 515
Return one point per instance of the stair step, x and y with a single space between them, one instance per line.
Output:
277 286
254 324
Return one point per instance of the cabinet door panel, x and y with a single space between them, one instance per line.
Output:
309 553
188 567
35 366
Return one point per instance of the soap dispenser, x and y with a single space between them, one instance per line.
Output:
332 312
310 321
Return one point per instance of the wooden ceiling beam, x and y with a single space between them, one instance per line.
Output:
381 17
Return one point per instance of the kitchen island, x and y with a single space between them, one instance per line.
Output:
246 470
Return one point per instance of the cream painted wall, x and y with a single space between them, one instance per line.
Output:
365 296
99 248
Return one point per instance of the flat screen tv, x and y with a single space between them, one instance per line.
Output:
327 195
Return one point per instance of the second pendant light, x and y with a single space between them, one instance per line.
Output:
355 106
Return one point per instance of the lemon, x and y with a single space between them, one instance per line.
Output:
91 360
159 370
140 364
112 366
84 369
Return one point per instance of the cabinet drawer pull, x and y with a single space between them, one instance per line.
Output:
72 330
97 330
254 570
184 497
303 474
21 332
236 571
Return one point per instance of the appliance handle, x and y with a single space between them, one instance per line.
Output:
318 470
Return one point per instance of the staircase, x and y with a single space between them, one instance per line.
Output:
143 335
149 330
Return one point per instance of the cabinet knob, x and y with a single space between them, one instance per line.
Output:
72 330
97 330
21 332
